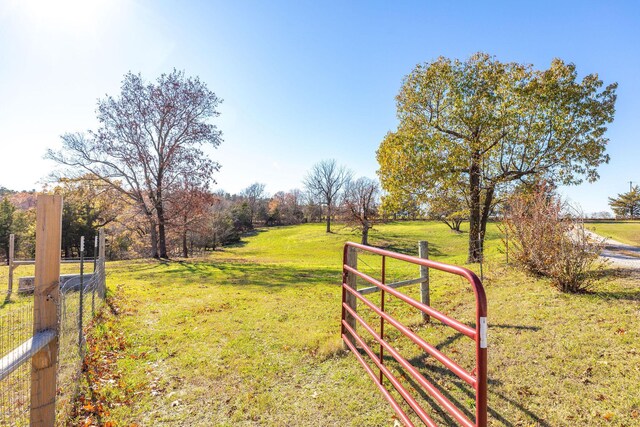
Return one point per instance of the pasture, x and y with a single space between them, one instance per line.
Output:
250 336
623 231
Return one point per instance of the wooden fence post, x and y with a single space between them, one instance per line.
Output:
12 247
45 308
351 300
423 252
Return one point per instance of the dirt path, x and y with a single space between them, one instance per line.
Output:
620 254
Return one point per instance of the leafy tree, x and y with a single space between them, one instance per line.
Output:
24 228
149 138
7 214
324 181
450 207
395 208
5 191
20 222
490 124
241 217
361 205
626 205
221 229
89 204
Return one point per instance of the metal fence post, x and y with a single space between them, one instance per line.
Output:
349 299
101 252
423 252
95 251
81 309
45 308
94 278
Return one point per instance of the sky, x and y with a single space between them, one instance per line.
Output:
301 81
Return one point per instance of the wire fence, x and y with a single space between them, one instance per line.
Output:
81 297
16 327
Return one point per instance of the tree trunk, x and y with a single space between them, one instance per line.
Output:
329 218
162 240
185 248
365 233
153 234
486 210
474 210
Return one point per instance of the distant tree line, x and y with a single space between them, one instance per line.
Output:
197 220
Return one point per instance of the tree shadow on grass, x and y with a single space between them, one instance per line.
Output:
239 244
406 247
7 300
628 295
462 395
456 390
625 281
242 242
243 273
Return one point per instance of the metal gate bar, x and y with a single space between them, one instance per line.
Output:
477 379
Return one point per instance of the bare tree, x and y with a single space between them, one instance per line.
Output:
361 204
253 194
325 180
149 138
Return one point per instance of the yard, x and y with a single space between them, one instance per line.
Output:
623 231
250 336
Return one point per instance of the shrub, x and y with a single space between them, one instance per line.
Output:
547 241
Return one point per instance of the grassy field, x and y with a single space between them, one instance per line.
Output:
250 336
623 231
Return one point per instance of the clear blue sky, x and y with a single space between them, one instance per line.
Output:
301 80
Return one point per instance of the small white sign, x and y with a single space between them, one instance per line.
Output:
483 332
81 243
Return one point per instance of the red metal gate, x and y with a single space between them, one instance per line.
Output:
476 379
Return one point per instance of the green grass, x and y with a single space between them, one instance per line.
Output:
623 231
250 336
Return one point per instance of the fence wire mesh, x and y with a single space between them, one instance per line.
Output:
81 297
16 326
